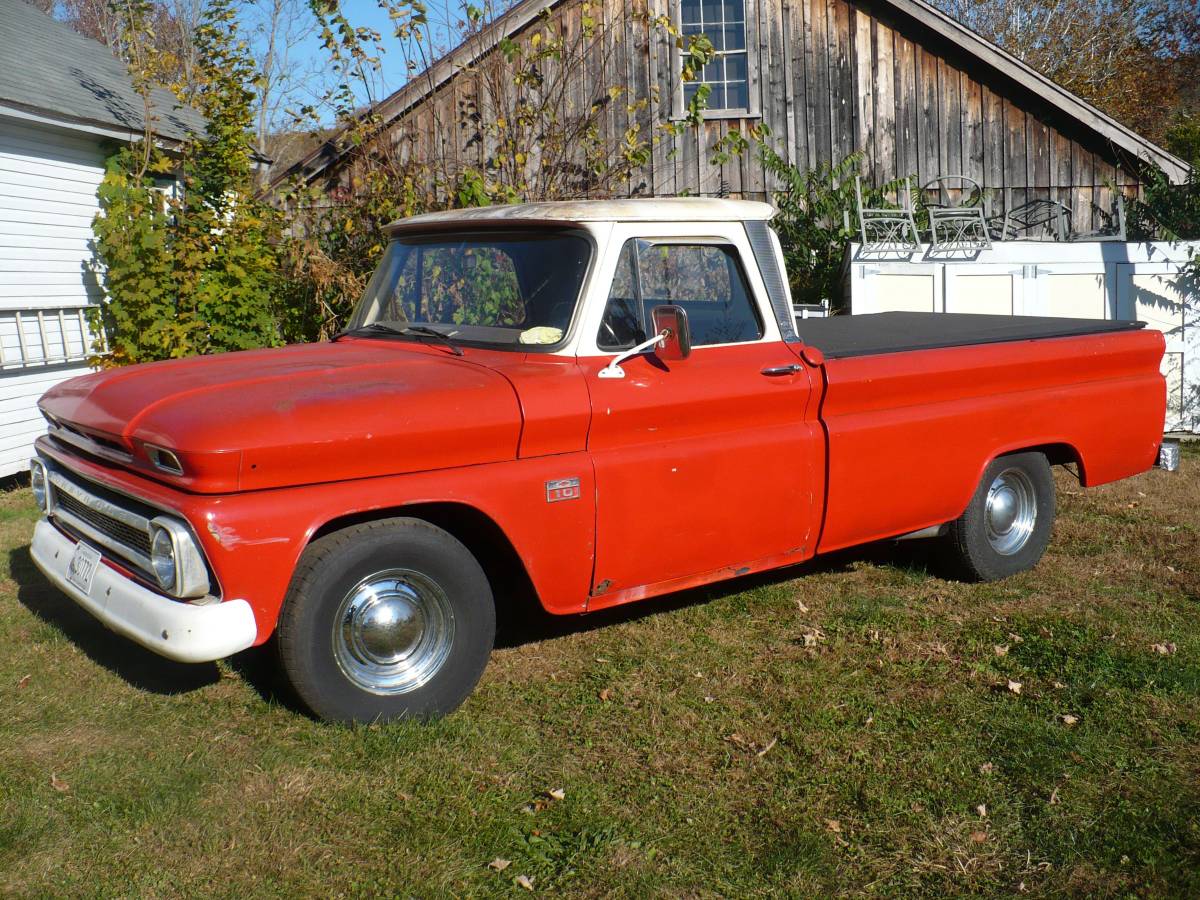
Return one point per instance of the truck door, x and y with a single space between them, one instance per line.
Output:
711 465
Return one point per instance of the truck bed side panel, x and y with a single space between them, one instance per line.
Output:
910 434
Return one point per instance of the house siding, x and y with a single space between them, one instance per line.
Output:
48 182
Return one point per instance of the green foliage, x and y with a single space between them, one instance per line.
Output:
817 221
195 273
1167 211
539 141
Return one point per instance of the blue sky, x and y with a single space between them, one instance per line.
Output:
313 58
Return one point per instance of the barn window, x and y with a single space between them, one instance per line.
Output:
728 26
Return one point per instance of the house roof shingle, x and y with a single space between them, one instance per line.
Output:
48 69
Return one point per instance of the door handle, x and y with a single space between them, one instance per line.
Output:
772 371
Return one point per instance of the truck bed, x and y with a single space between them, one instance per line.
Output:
840 337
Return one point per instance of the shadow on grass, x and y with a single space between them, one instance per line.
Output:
521 620
144 670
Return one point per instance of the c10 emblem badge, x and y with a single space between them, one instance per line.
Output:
562 489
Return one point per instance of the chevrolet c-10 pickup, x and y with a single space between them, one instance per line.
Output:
593 402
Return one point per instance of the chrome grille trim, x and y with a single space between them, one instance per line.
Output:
90 520
63 432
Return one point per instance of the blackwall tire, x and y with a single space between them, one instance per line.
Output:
1006 527
386 620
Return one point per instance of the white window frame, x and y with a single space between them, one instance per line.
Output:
586 341
754 110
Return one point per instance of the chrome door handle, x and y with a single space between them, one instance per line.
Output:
783 370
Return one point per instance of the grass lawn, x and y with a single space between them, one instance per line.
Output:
856 726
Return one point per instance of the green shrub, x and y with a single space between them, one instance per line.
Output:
817 220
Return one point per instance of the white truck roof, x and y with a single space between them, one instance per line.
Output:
666 209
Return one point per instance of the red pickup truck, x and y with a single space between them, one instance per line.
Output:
598 402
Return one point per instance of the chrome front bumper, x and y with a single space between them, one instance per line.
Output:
175 629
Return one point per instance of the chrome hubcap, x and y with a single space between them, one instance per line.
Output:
393 631
1011 511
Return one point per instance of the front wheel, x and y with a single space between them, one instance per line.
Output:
385 620
1005 528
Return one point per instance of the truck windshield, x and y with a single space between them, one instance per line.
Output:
516 289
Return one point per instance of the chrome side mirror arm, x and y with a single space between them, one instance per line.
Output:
614 370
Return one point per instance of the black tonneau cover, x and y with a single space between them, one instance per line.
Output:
896 332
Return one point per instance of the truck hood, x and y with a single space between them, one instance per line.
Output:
296 415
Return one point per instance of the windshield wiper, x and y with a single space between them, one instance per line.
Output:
379 327
383 328
433 332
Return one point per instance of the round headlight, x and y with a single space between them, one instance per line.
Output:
162 558
38 481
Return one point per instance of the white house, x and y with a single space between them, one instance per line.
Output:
65 104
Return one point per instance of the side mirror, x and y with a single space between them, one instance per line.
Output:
672 323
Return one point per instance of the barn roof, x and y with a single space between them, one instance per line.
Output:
523 13
50 72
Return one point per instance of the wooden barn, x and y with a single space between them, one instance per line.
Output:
918 93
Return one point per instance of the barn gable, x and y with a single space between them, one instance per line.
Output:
916 92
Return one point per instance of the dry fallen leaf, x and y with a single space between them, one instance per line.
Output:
557 794
982 810
1164 649
606 695
1054 797
986 768
524 881
709 699
1070 720
24 681
499 865
1000 649
834 825
1058 685
800 606
1016 638
1015 687
767 749
58 784
979 837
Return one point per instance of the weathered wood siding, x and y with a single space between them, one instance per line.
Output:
832 77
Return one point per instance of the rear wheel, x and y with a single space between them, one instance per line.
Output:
386 620
1005 528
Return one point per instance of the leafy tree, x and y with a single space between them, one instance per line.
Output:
1138 60
195 273
524 134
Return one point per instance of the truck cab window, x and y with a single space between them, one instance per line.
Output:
705 279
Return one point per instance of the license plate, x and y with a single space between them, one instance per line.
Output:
83 565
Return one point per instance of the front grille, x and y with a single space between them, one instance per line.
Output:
121 532
117 524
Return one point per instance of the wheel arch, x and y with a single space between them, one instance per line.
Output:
512 587
1057 453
